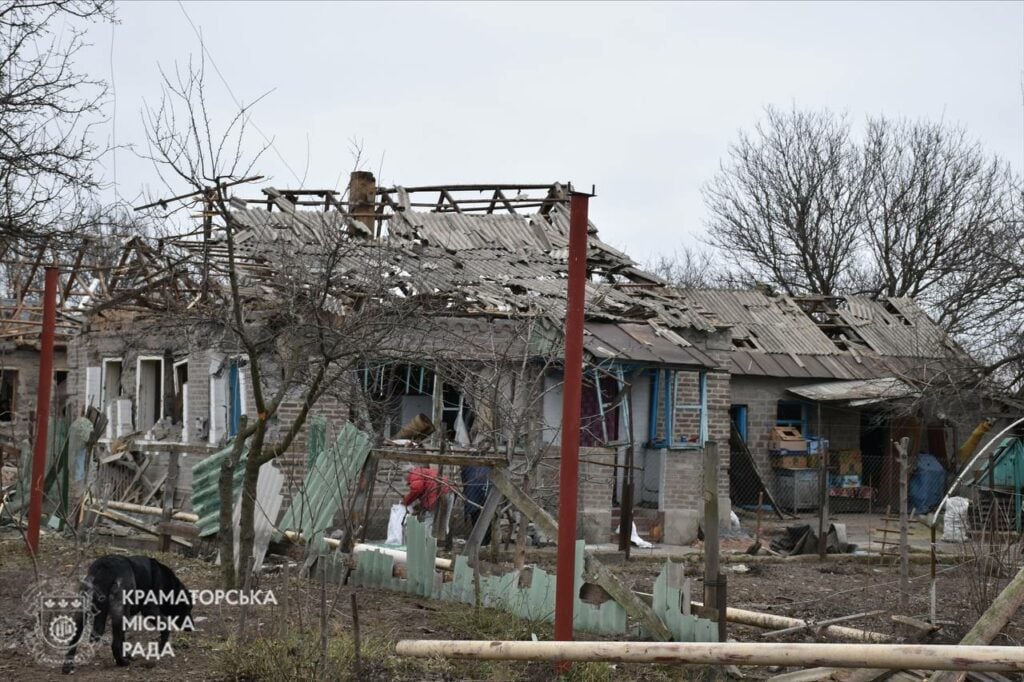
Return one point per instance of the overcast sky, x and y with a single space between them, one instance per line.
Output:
641 100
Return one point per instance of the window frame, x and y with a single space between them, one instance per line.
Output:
664 403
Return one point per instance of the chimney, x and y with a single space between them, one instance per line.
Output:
362 191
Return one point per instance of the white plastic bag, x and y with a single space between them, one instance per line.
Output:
635 538
396 525
954 520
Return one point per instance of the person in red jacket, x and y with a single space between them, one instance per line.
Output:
426 486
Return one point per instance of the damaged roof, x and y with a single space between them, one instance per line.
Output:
835 337
482 264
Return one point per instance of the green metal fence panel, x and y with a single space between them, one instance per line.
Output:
325 486
206 489
536 601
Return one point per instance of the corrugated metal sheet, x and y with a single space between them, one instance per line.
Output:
503 591
325 486
884 388
205 489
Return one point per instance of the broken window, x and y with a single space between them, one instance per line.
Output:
227 396
149 393
111 381
60 391
599 412
400 392
678 417
8 382
180 408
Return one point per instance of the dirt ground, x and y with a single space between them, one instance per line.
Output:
277 641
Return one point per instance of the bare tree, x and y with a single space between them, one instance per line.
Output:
305 308
915 209
47 109
787 202
936 209
689 268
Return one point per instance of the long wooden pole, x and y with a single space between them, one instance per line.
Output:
565 588
772 621
991 622
887 656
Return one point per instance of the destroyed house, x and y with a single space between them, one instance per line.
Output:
483 270
21 322
846 374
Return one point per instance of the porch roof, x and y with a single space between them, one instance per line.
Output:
858 392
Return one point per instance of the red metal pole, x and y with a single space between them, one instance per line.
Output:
35 505
568 476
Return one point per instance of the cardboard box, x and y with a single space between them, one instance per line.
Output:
848 462
789 461
787 438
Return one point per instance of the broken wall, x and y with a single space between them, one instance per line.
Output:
20 373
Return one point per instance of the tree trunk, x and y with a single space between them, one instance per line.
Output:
225 516
247 522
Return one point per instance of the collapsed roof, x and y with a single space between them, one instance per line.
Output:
852 337
493 262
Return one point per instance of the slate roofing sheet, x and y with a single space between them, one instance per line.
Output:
643 343
775 324
515 264
882 388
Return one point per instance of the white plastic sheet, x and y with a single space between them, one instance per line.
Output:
396 525
954 520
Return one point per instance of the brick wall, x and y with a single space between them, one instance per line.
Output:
22 366
761 395
682 477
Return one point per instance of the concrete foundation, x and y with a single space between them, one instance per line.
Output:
681 526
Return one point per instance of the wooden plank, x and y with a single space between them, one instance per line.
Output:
636 608
901 447
483 522
138 525
168 498
821 624
182 448
714 582
427 457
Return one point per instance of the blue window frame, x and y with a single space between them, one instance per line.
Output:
793 413
235 397
666 404
738 414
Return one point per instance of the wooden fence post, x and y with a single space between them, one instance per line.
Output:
901 446
170 484
714 581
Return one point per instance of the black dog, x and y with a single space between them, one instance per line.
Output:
122 587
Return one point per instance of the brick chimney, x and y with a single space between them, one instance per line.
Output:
362 192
